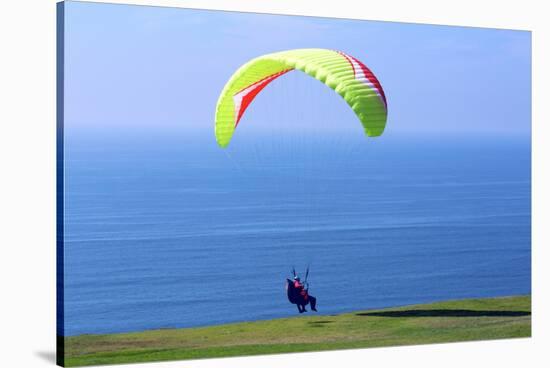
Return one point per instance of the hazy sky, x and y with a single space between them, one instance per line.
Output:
137 67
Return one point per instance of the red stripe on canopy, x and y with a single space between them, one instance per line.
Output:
372 78
245 96
368 74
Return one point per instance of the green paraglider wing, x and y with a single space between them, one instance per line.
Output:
346 75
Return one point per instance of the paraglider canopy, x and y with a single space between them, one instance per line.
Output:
346 75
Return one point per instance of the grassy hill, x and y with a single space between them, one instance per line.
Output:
462 320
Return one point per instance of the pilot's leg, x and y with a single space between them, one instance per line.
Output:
313 303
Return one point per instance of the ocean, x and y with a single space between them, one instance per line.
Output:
165 230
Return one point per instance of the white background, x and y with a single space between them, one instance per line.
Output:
27 181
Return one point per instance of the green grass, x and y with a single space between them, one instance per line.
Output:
461 320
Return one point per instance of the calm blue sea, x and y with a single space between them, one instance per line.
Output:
171 231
